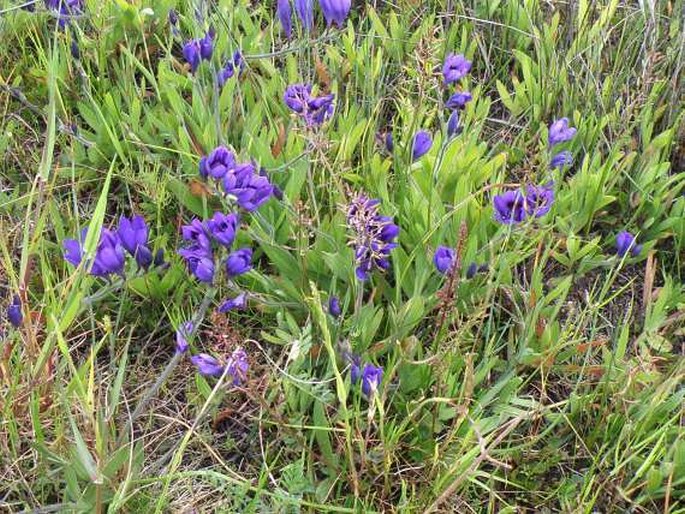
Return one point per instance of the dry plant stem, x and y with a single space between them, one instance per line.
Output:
197 319
446 294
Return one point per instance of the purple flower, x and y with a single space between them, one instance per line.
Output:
239 262
509 207
455 67
196 234
73 248
219 162
223 228
284 13
472 270
453 128
14 313
109 255
75 52
371 377
238 365
198 50
421 143
373 236
296 97
182 334
334 307
625 242
236 63
538 200
314 110
389 145
237 303
133 233
207 365
459 100
562 160
305 11
173 17
198 254
200 263
335 11
249 189
560 132
65 9
443 259
319 109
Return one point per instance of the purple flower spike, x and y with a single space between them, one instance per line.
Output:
625 242
456 66
182 335
285 13
223 228
238 365
509 207
560 132
335 11
237 303
14 313
207 365
421 144
239 262
443 259
562 160
459 100
538 200
373 236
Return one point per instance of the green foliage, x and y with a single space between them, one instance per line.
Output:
550 381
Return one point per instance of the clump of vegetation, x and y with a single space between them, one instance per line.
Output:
335 257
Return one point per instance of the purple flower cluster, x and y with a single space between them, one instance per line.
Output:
314 110
334 11
199 253
239 181
130 237
455 67
236 366
373 235
560 132
198 50
513 207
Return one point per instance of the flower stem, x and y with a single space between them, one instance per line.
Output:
151 393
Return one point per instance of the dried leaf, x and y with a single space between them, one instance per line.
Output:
277 147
